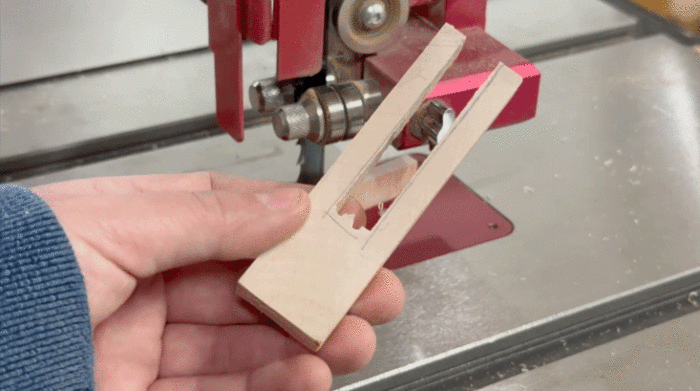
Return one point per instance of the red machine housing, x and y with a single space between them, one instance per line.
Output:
298 26
479 56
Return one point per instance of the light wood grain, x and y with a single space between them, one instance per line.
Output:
308 283
385 181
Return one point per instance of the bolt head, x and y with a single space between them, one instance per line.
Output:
432 120
373 14
265 95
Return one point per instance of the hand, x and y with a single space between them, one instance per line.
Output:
161 256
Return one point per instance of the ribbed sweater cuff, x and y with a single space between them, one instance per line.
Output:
45 337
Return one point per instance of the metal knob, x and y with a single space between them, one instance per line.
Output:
367 26
373 14
291 122
265 95
269 94
327 114
431 121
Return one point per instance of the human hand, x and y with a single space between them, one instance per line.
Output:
161 256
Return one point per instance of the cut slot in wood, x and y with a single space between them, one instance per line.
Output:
385 181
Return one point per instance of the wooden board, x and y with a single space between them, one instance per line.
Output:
309 282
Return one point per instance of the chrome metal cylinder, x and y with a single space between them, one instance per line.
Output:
373 14
291 122
265 95
330 113
354 108
431 121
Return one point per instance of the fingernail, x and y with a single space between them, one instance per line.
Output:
281 199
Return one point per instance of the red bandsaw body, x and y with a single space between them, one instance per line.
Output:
300 28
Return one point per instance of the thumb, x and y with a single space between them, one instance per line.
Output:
148 233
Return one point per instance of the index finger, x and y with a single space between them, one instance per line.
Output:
134 184
149 233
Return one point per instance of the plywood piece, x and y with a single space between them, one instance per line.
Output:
309 282
385 181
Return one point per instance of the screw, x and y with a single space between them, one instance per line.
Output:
265 95
373 15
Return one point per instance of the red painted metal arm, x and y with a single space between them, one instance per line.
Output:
299 26
226 41
464 13
481 53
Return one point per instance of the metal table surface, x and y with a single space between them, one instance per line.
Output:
535 26
66 110
261 156
603 188
49 38
664 357
59 112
